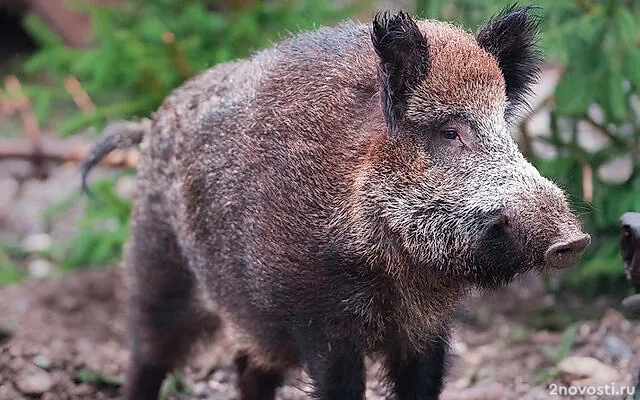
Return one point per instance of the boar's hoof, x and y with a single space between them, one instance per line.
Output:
566 253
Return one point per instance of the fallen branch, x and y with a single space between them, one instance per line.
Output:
62 151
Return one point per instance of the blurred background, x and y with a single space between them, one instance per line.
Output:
70 67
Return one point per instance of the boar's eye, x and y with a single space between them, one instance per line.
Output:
449 133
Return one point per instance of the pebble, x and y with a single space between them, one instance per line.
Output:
41 361
126 187
481 391
9 187
6 332
615 348
83 389
581 371
40 268
200 389
37 242
34 383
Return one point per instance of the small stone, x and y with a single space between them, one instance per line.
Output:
126 187
41 361
40 268
9 187
611 319
200 389
83 389
222 376
581 371
16 364
484 390
616 348
37 242
7 331
34 383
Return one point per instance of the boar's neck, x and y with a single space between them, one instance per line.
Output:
406 308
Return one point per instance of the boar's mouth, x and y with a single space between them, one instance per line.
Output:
506 250
499 255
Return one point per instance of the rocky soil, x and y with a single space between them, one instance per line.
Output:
62 338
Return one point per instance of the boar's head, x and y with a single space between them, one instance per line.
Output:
446 189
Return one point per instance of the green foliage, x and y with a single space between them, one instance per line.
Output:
9 272
103 228
557 354
467 13
96 378
173 386
562 351
145 48
10 254
598 44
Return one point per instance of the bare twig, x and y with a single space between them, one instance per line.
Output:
585 5
603 130
80 97
526 143
177 57
61 151
22 105
587 182
30 126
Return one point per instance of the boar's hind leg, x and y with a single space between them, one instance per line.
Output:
163 316
255 382
419 376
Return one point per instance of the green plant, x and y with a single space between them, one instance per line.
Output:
10 256
96 378
599 45
174 385
9 273
102 230
143 49
467 13
557 354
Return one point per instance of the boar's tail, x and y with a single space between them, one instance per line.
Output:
119 135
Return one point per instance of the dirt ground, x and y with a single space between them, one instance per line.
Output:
62 338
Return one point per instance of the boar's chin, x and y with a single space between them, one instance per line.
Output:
498 258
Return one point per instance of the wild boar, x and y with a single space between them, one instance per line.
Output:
332 198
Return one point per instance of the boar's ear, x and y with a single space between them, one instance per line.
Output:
404 62
511 37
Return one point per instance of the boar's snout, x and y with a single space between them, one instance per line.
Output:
567 251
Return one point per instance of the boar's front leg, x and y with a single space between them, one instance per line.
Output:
419 376
336 368
254 381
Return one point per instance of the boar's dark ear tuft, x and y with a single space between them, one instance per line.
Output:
511 37
404 61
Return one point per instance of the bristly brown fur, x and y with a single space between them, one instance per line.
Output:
331 199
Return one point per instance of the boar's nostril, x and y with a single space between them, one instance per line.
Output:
501 220
566 253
